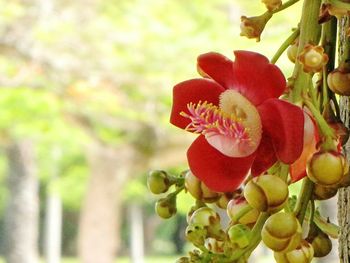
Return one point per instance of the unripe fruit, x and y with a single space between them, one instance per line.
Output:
292 52
327 168
282 232
166 207
322 245
267 193
234 207
199 190
240 235
303 254
339 82
158 182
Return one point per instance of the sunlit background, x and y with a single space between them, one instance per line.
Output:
85 97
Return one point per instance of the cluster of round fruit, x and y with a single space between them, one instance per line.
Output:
263 209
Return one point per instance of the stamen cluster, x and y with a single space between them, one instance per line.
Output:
209 120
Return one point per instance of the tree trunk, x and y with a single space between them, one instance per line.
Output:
100 216
344 193
21 218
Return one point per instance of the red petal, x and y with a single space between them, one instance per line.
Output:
193 90
256 78
219 172
265 156
311 139
217 67
284 123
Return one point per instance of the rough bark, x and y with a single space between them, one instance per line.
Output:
21 218
344 197
344 193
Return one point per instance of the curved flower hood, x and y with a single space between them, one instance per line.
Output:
242 125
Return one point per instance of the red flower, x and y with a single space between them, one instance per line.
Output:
242 123
311 139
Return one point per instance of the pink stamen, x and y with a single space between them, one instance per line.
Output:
207 118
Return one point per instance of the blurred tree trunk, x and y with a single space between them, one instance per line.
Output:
21 218
344 193
100 215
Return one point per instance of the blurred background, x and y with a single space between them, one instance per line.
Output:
85 98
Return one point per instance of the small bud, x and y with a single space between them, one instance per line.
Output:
234 207
209 219
183 260
158 182
252 27
214 246
345 182
205 216
327 168
196 234
166 207
224 200
272 5
266 193
292 51
313 58
302 254
282 232
323 193
337 11
322 245
340 130
339 80
240 235
199 190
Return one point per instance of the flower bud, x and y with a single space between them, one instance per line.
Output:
337 11
183 260
196 234
235 207
209 219
240 235
327 168
292 51
252 27
267 193
166 207
313 58
302 254
323 193
205 216
322 245
282 232
272 5
345 182
340 130
214 246
339 81
158 182
199 190
224 200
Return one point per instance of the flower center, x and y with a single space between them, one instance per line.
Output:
234 128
